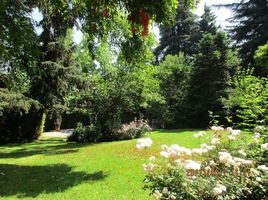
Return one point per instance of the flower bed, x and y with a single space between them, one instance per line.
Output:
228 165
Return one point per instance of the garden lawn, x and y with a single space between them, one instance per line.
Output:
55 169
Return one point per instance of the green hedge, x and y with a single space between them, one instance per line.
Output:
20 117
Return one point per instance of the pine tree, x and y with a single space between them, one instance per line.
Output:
179 37
207 23
250 28
213 68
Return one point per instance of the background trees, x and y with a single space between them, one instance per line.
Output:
109 78
249 29
180 36
173 75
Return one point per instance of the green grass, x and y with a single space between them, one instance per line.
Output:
55 169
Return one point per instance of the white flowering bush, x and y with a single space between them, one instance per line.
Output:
228 165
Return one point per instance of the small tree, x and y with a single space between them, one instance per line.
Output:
247 101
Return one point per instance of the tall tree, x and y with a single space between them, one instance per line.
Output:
250 27
214 66
18 44
179 36
207 23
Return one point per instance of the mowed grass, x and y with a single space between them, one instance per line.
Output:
56 169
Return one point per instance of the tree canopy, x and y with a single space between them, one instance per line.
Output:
250 25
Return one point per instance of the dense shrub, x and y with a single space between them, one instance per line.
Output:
229 167
88 133
92 133
20 117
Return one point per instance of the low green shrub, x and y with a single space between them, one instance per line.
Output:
229 166
87 133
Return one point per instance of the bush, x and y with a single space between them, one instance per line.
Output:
20 117
92 133
87 133
229 167
134 129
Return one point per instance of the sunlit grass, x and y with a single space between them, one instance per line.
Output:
55 169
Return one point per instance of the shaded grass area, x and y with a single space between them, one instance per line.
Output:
56 169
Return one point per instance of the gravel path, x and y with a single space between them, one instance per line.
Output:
57 134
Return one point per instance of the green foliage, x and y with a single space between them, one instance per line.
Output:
173 75
87 133
49 68
214 66
57 78
91 133
207 23
18 41
20 117
180 36
250 28
111 80
16 102
261 60
248 99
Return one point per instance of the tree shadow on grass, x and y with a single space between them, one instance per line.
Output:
44 147
30 181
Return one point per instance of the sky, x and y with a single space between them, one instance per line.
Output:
222 15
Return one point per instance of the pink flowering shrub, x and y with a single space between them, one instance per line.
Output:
227 166
134 129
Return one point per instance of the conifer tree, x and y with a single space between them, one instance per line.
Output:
181 36
214 66
207 23
250 28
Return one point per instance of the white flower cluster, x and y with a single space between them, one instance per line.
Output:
233 133
228 160
199 134
263 168
180 155
157 194
148 167
217 128
192 165
219 189
260 129
265 146
204 148
215 141
144 143
217 161
175 151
